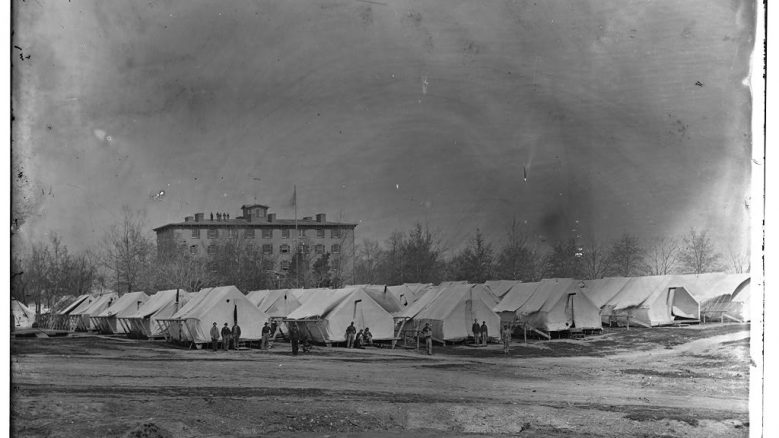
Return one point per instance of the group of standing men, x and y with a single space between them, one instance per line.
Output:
227 335
481 335
358 339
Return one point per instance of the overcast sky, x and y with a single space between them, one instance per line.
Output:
624 116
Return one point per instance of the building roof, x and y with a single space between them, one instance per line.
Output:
254 205
240 223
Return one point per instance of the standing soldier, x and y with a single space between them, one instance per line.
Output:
351 331
236 335
476 332
225 337
427 333
506 336
265 336
214 336
294 338
484 335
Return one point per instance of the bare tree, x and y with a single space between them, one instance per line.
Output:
698 254
475 263
518 259
37 274
662 256
565 260
181 270
127 254
49 271
594 259
738 262
421 257
235 260
367 267
392 262
626 256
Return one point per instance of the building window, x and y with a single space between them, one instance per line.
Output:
285 265
284 249
319 249
335 249
303 248
301 233
268 234
213 233
249 234
335 233
285 233
212 249
193 249
320 233
267 248
196 233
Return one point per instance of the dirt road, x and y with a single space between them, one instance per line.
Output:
690 382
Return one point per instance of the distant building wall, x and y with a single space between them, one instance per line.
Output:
275 238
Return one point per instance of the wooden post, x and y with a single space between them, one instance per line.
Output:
524 332
627 326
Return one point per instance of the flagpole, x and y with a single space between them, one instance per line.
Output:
297 243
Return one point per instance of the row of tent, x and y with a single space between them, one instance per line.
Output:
549 305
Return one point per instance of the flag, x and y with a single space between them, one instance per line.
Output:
294 200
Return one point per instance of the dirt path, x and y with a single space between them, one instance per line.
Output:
696 385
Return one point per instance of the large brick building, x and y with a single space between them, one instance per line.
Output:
274 238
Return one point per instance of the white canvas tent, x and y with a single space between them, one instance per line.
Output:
107 321
385 299
600 291
55 318
256 296
226 304
742 298
145 322
512 300
23 316
558 304
733 303
408 293
326 315
651 301
450 309
81 317
710 285
281 303
500 287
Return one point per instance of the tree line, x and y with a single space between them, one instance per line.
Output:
417 257
127 259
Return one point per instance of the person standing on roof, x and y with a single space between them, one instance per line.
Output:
236 335
265 336
427 333
225 337
214 336
476 332
484 333
505 335
351 332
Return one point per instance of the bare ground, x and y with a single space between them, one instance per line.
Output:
661 382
